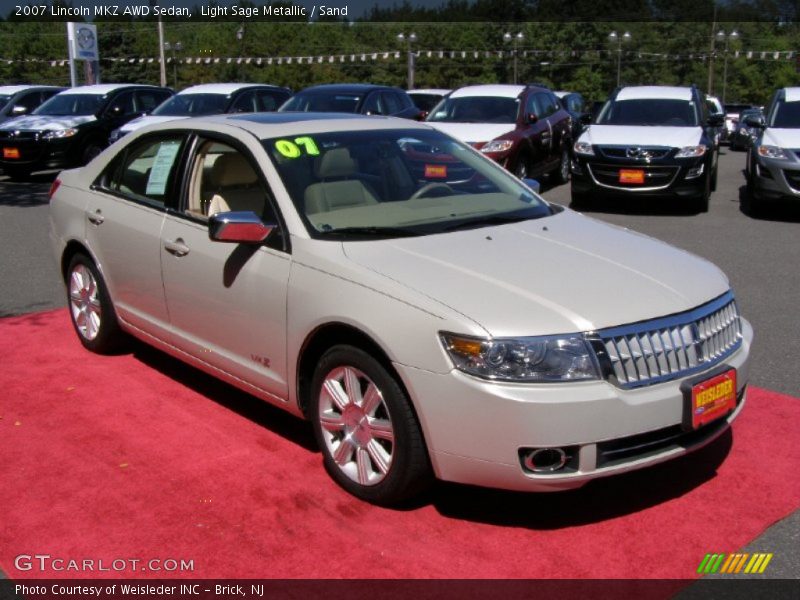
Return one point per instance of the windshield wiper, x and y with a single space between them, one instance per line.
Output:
371 231
492 220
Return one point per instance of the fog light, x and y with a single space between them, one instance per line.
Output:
545 460
695 172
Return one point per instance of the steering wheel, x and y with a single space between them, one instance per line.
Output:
429 187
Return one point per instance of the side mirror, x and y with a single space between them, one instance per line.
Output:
238 227
531 118
533 184
716 120
754 122
585 119
18 110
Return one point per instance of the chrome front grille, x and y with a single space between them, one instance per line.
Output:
662 349
643 153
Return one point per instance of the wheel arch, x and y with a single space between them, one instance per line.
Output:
72 248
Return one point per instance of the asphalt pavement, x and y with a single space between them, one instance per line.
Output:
760 255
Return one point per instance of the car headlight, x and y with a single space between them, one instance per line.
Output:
771 152
526 359
691 151
58 134
584 148
497 146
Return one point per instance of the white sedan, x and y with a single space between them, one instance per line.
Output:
430 314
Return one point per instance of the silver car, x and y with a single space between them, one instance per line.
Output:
430 314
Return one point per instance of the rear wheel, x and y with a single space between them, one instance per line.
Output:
370 439
561 174
90 308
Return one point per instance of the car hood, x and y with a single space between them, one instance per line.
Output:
560 274
675 137
45 122
474 132
783 138
147 120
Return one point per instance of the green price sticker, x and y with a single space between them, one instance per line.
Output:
294 149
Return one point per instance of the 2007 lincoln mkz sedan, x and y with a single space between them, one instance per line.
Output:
429 313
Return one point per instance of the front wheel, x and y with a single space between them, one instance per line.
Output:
90 308
522 168
371 442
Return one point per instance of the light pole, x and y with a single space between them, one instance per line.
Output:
615 37
727 37
517 39
409 39
176 47
240 37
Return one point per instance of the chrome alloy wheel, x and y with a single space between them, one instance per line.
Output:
356 426
84 301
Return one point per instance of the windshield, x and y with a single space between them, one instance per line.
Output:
476 109
316 102
785 115
185 105
649 111
396 182
72 104
425 101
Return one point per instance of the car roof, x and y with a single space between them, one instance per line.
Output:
106 88
224 88
660 92
439 91
346 87
499 90
15 89
792 94
275 124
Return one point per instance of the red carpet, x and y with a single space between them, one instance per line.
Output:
138 456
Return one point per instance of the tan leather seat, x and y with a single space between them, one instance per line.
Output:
236 186
344 192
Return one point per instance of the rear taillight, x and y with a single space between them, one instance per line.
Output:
55 185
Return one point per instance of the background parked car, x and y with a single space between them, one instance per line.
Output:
773 164
18 100
524 128
72 127
744 133
426 99
649 141
716 110
211 99
363 98
575 105
732 112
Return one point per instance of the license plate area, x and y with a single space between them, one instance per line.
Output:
11 153
631 176
708 398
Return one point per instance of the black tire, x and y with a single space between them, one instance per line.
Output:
350 436
101 334
714 178
703 201
522 169
578 200
90 152
561 174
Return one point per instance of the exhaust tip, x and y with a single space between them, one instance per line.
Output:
545 460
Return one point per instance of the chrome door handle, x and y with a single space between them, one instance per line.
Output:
96 217
176 247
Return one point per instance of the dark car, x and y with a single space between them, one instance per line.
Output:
649 141
73 127
426 99
18 100
211 99
575 105
522 127
732 113
744 133
361 98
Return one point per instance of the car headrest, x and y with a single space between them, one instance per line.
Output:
335 163
233 169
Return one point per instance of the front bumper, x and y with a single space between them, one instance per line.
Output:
476 430
776 178
41 154
676 178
